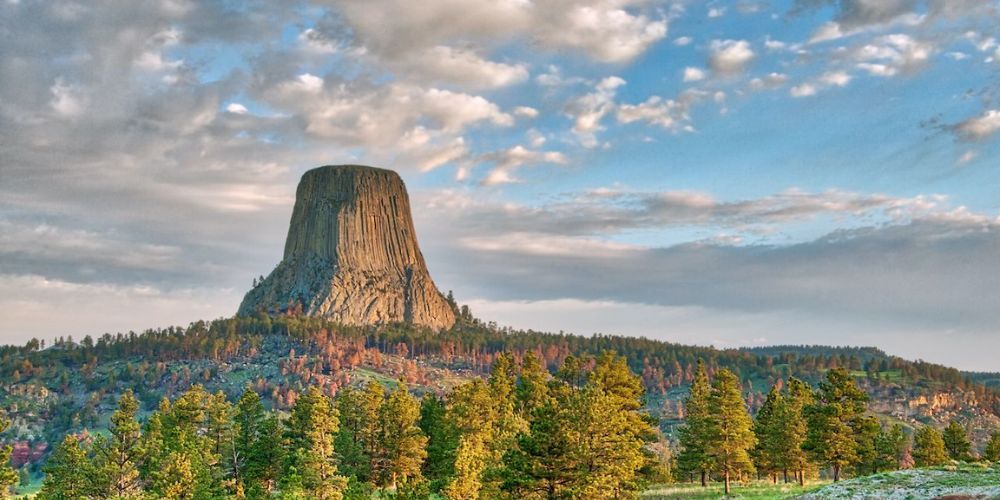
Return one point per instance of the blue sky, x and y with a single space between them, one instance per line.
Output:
721 173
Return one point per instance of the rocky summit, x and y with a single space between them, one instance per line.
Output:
351 254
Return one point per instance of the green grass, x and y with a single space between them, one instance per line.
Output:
756 489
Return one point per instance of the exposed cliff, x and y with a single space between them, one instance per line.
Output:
352 255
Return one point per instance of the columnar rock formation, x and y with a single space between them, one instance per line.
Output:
351 254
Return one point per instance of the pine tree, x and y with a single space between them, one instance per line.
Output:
532 385
68 472
370 430
694 434
118 457
471 412
509 423
867 432
768 454
8 476
730 429
834 421
442 440
403 445
956 442
179 460
470 462
928 447
542 463
609 430
792 428
312 426
350 442
889 448
992 451
252 459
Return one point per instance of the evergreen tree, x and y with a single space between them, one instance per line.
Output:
508 423
370 429
311 429
253 456
178 454
890 445
68 472
610 431
532 385
768 455
403 445
928 447
867 434
542 465
118 457
835 421
791 429
470 462
355 419
442 440
956 442
730 429
694 434
8 476
992 451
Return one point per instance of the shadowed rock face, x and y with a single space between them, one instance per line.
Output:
352 255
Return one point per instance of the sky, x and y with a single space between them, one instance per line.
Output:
725 173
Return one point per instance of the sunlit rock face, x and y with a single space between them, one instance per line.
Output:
352 255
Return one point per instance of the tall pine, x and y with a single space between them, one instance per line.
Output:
956 442
835 421
730 429
928 447
68 472
694 434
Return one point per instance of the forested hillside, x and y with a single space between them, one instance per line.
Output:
72 386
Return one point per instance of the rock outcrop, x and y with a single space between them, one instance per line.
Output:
351 254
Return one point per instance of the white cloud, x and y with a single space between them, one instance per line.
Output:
967 157
692 74
803 90
465 67
683 41
526 112
423 39
671 114
729 57
237 108
980 127
890 55
824 81
826 32
316 42
835 78
588 110
506 163
67 100
774 45
878 69
715 12
769 82
605 31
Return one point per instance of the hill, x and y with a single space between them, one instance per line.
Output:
71 386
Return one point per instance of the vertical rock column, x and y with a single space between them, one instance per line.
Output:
352 254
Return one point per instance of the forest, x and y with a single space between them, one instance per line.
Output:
521 433
409 412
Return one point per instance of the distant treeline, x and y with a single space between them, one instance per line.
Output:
474 345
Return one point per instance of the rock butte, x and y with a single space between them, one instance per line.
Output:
352 255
